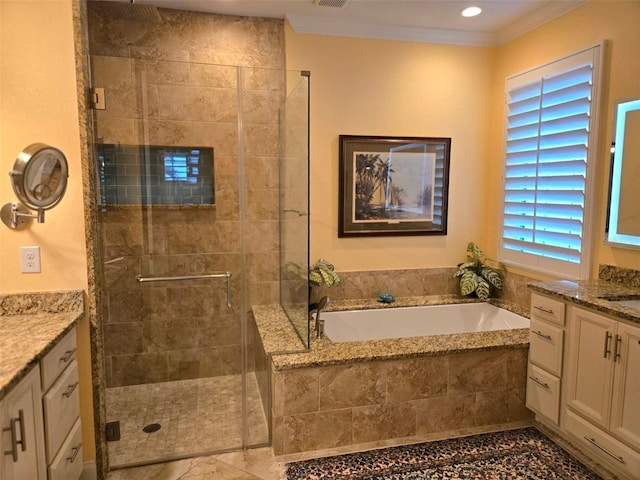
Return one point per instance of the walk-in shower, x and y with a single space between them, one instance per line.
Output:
197 162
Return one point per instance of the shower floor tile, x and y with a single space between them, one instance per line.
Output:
196 417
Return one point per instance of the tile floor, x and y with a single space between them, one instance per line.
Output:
197 417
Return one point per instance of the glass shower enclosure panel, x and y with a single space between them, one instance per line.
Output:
175 287
294 203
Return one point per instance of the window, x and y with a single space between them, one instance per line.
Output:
550 146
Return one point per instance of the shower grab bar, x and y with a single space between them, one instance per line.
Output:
226 275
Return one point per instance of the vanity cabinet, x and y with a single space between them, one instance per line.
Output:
603 387
544 372
22 446
41 429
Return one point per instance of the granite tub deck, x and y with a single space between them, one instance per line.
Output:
358 395
30 325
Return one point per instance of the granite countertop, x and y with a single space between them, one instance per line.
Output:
30 325
594 294
288 352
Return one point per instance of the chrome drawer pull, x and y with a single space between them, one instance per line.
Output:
543 335
67 393
67 355
593 442
617 348
539 382
14 436
542 309
74 453
607 347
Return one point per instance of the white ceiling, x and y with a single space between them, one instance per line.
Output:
431 21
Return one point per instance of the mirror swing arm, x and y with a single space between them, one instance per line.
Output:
39 180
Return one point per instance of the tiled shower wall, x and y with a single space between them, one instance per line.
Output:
187 64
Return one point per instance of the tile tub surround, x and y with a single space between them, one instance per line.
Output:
357 285
30 325
336 395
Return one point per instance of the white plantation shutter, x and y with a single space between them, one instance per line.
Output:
550 124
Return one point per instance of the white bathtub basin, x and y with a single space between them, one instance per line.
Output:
402 322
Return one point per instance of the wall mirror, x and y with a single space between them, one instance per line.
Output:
623 220
39 180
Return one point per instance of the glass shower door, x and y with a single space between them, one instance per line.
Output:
175 254
294 203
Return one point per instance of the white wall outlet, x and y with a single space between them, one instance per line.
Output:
30 259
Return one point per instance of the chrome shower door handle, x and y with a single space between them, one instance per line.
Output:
226 275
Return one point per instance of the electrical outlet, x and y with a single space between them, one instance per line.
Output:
30 259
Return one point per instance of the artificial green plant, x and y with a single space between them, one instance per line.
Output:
322 272
475 276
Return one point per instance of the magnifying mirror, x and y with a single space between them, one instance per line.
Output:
39 180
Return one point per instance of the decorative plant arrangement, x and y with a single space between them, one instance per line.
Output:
475 276
322 273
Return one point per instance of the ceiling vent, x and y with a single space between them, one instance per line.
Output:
331 3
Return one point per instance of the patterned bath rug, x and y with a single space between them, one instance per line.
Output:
514 454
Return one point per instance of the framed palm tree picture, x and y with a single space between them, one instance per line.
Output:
393 185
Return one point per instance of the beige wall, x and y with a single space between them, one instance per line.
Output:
39 104
376 87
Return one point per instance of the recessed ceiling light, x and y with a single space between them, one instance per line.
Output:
471 11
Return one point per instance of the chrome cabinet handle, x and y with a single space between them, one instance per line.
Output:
543 335
14 436
593 442
67 393
617 348
542 309
607 347
539 382
74 453
67 355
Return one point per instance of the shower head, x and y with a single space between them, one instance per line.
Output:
130 10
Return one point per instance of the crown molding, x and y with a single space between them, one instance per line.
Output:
335 27
350 28
550 11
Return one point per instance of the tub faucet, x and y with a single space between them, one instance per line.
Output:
317 308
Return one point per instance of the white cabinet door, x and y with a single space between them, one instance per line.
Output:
625 414
22 446
590 371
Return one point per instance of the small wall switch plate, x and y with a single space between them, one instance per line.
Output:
30 259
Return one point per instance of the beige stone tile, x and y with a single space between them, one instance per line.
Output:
517 360
502 406
204 362
261 140
301 391
313 431
417 378
262 236
442 414
262 205
477 372
380 422
351 385
167 335
123 338
200 104
218 330
139 368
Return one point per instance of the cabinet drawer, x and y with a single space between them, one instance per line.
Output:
545 346
68 463
57 359
61 409
548 309
603 446
543 393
